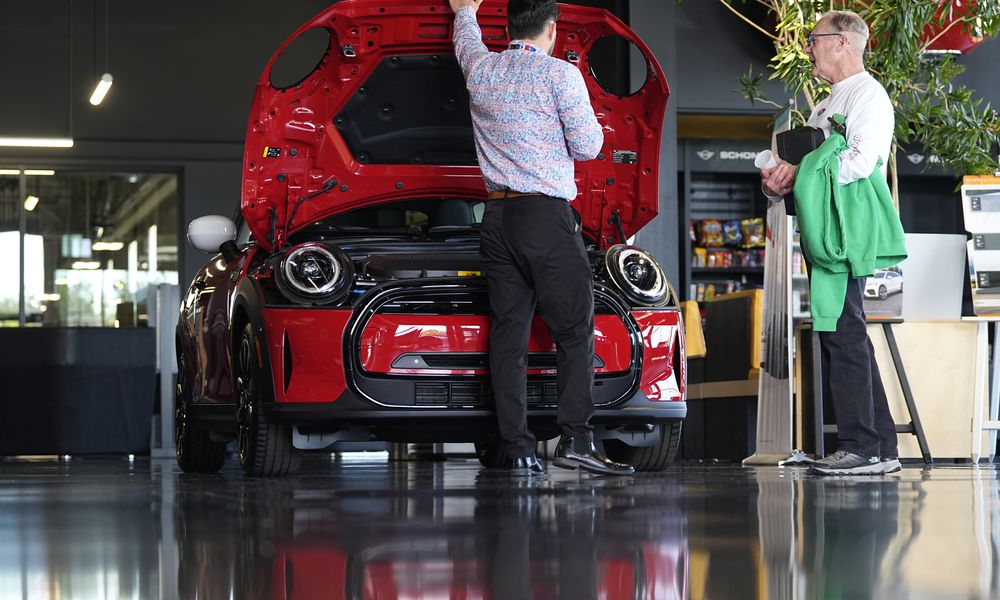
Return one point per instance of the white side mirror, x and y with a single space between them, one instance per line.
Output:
209 232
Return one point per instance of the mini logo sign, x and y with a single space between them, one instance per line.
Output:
737 155
705 154
915 158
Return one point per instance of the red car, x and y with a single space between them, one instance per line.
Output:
347 304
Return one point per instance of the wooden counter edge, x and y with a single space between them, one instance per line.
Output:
722 389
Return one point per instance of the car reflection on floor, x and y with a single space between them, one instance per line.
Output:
496 538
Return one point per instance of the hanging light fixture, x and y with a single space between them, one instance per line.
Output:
104 83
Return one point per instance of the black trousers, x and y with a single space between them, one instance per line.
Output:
533 254
852 382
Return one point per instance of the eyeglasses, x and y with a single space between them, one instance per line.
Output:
811 38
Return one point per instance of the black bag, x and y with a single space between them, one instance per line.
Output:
794 144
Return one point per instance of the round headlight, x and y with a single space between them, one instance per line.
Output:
636 273
314 273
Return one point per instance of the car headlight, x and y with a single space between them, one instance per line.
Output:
314 273
636 273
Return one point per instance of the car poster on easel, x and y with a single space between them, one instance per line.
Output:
981 209
883 297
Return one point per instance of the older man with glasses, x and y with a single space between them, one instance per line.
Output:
866 431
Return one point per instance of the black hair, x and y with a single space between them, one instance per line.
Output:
526 19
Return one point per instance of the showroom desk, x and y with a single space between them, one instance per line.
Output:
76 390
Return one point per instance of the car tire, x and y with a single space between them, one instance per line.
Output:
195 450
882 292
265 449
657 457
490 454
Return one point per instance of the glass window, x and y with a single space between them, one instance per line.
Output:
93 244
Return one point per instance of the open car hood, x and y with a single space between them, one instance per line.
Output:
365 104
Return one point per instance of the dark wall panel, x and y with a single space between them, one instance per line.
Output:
982 73
184 71
714 47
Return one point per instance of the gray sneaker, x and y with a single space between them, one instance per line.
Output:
846 463
891 464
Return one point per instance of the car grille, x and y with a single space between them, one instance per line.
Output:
468 361
470 302
478 393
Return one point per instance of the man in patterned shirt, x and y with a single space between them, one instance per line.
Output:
532 118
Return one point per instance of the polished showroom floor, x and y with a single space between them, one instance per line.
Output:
361 527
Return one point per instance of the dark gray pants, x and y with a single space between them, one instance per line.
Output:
533 254
852 382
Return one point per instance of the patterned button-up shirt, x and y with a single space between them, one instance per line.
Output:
531 114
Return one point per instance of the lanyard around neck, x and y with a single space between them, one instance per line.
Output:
518 45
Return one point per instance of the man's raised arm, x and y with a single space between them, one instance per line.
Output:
468 37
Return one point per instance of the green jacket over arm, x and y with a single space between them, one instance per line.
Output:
847 230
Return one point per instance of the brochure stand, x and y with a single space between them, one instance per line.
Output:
981 209
774 395
986 386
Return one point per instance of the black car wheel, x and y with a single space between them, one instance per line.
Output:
265 449
882 292
657 457
195 450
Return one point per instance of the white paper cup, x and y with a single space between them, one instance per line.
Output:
765 160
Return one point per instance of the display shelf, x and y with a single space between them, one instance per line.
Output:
726 270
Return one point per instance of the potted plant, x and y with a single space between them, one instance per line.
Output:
913 48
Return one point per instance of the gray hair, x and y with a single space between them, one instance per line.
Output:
845 21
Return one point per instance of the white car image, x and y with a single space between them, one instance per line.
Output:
883 283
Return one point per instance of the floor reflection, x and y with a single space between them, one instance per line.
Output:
407 531
104 528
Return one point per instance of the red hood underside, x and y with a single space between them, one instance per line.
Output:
297 143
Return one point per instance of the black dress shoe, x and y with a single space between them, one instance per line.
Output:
525 465
588 458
